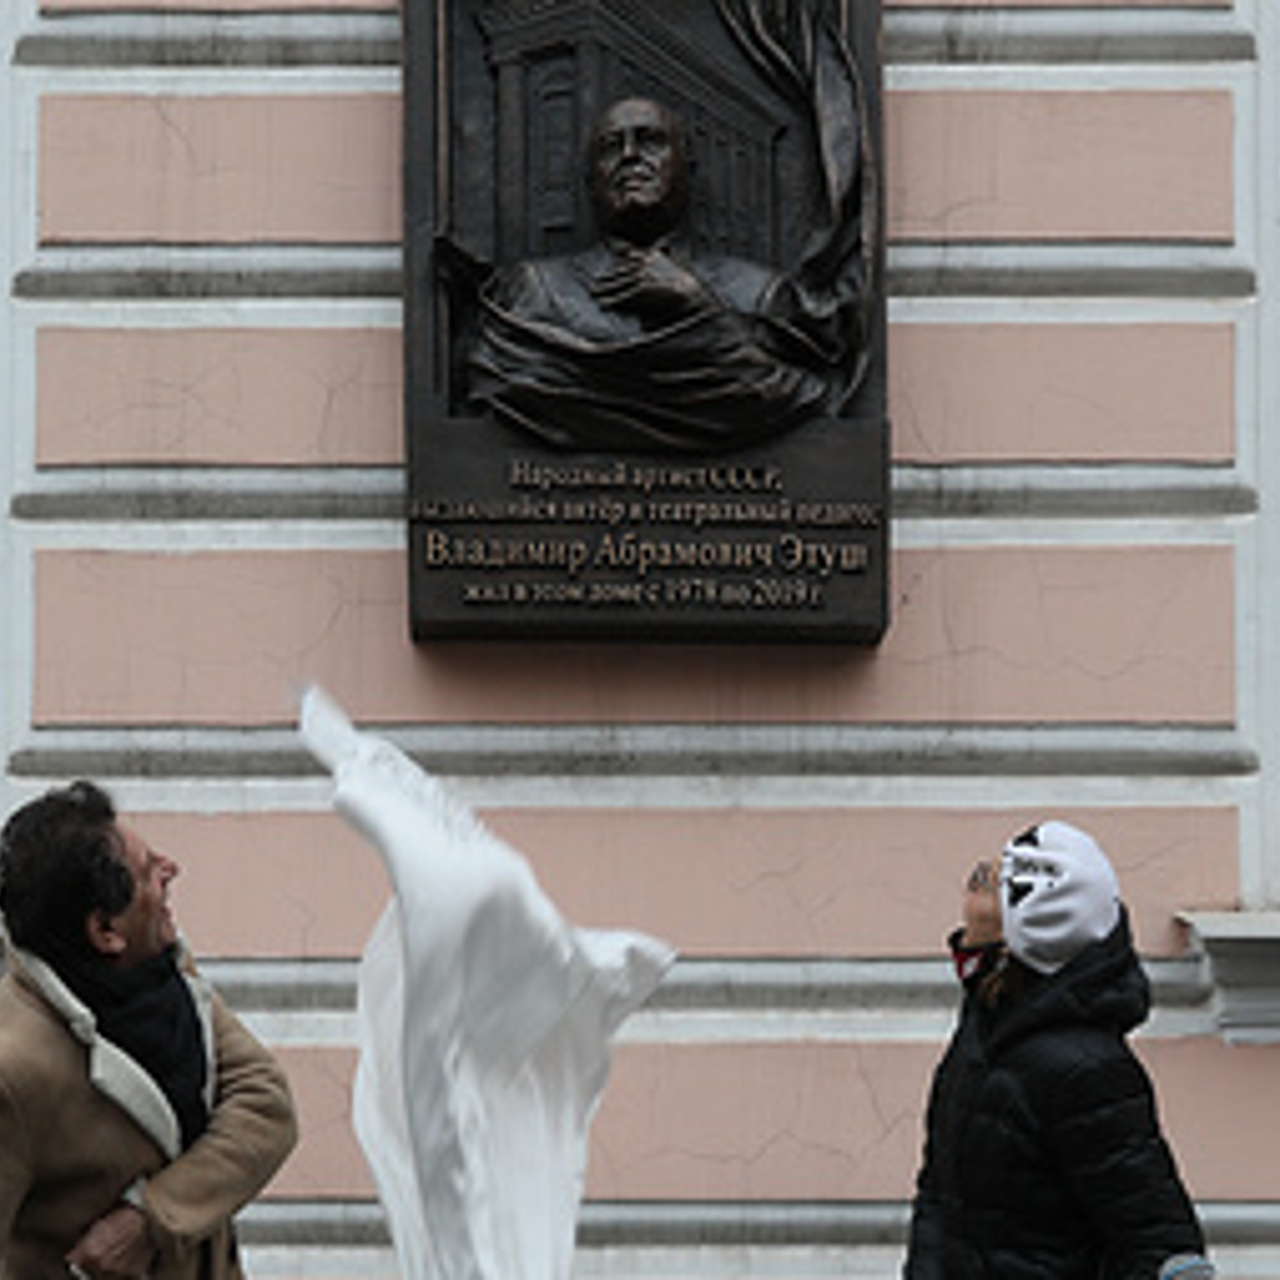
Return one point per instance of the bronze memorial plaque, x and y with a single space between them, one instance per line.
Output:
644 320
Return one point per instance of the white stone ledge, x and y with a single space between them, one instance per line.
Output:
1001 269
275 41
942 492
601 751
309 39
1243 950
1092 36
692 984
671 1224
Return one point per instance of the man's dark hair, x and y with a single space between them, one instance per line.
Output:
60 861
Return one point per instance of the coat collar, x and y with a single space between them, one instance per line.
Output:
111 1071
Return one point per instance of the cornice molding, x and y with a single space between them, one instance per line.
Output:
1243 950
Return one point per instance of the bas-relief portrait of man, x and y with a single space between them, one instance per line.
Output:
644 319
641 341
663 332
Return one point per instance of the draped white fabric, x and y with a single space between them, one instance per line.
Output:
485 1025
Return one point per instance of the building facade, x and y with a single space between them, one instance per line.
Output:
202 467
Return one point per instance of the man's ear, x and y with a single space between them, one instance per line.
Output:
103 936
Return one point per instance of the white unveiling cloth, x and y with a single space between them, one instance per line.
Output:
485 1025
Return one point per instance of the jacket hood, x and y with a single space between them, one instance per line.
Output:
1105 986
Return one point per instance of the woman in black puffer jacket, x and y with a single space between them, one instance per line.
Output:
1044 1158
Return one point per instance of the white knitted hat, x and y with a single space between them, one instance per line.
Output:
1058 893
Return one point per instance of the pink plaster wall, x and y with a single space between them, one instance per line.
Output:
1117 165
962 165
875 882
784 1121
318 397
760 1122
327 1160
1062 392
182 169
810 1120
1000 633
256 397
270 885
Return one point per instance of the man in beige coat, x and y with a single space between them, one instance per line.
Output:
137 1114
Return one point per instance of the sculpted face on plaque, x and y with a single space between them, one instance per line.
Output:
640 342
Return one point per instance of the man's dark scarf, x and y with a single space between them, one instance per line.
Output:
147 1011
